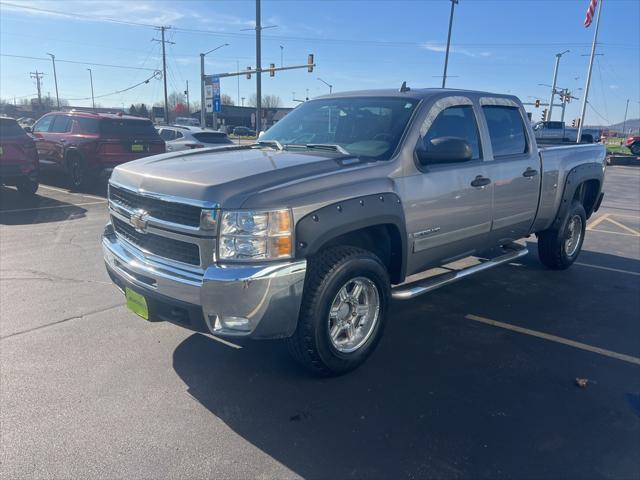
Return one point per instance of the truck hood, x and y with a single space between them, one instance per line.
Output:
226 176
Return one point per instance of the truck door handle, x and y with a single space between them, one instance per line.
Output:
481 181
530 172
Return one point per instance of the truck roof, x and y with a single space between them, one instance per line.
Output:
417 93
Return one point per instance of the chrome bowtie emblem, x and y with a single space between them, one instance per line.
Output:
139 220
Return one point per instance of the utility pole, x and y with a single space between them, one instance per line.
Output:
186 92
55 78
624 124
242 101
38 76
281 56
238 79
164 70
583 110
258 70
446 56
553 84
93 100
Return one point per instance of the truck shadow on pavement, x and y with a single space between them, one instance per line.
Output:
18 210
447 397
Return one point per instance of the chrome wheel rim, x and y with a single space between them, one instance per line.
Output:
353 314
574 235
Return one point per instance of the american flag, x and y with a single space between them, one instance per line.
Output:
590 11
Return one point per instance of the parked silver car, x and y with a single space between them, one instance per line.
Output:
178 137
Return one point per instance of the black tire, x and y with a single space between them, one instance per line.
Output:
27 187
553 250
77 172
327 273
635 148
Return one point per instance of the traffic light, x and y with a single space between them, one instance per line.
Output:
537 103
310 63
573 123
248 73
544 114
272 71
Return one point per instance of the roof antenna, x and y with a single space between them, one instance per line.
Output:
404 88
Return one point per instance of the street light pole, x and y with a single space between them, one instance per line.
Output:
553 84
202 106
327 84
446 56
624 124
281 56
258 70
55 78
93 100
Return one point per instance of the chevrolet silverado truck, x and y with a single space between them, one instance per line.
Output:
348 202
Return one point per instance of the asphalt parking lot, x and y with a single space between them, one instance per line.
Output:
476 380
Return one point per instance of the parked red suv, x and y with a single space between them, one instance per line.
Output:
18 157
88 144
633 144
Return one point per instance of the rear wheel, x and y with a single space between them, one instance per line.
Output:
77 172
27 187
635 148
346 296
559 248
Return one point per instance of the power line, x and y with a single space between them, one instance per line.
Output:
77 62
156 75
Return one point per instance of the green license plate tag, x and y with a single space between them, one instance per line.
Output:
137 148
137 303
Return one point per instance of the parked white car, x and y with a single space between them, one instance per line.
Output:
187 121
178 137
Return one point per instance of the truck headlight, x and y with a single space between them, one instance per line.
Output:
248 235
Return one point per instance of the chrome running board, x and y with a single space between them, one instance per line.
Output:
412 290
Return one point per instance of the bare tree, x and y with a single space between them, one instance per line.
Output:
268 101
226 99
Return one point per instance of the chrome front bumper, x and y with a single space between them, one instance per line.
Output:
244 300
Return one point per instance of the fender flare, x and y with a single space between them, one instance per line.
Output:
577 176
319 227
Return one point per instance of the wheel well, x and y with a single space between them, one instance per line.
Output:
587 194
384 241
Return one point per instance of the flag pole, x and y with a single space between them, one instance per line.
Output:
586 88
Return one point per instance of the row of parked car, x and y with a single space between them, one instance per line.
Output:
87 145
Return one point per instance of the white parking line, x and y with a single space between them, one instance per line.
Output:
553 338
47 187
225 342
70 205
618 270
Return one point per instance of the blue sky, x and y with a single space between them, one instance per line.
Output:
498 45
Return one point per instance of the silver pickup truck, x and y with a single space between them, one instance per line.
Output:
349 201
558 132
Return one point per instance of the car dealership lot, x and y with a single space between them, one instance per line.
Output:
477 379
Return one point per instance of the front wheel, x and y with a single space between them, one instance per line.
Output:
559 248
77 171
346 297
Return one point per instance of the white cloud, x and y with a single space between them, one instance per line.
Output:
614 87
441 48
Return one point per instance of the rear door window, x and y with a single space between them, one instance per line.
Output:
167 134
459 122
212 137
88 125
125 128
43 124
61 124
506 130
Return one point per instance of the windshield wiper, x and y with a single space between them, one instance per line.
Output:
329 146
270 143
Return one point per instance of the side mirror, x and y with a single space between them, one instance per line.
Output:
28 129
444 150
260 134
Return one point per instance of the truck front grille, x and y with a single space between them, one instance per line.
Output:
179 213
161 246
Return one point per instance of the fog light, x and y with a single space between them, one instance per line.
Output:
235 323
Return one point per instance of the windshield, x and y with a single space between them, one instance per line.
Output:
363 126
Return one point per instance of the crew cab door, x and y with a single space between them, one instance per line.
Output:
447 204
514 167
40 132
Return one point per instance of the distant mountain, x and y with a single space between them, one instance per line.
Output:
632 124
